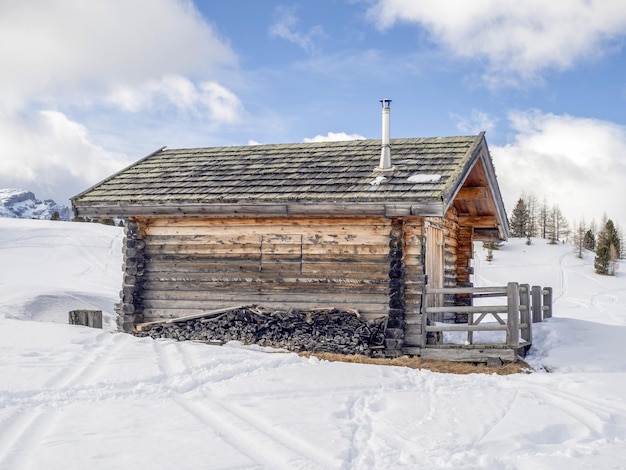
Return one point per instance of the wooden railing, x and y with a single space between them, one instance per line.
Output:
521 304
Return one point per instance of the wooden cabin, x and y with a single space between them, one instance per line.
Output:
360 224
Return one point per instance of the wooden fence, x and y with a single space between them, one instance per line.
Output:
522 306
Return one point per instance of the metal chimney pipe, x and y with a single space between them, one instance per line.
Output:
385 151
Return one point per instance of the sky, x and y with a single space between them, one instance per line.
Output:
87 88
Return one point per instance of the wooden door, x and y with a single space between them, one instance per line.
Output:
434 267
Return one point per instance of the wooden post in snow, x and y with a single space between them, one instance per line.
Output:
90 318
512 322
547 302
525 314
537 304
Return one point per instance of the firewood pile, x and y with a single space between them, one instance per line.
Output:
323 330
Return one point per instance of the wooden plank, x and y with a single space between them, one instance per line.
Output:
468 309
479 221
501 291
413 319
468 355
260 209
152 314
466 193
234 236
413 340
368 269
218 272
206 290
273 228
466 327
268 221
208 314
263 297
412 350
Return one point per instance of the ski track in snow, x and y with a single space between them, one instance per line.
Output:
254 407
247 434
31 420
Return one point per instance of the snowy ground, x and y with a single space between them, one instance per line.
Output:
75 398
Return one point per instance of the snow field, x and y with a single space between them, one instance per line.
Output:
74 398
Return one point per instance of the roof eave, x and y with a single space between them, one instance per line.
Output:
431 207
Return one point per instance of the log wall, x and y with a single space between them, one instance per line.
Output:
199 264
176 267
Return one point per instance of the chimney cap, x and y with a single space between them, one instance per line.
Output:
386 102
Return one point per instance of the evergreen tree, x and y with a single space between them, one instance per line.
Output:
532 226
607 249
55 216
589 241
519 219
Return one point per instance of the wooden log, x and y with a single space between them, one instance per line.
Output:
537 311
462 354
151 314
547 302
205 314
512 331
474 309
499 291
271 297
90 318
525 313
466 327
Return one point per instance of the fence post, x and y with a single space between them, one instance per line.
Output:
525 314
91 318
512 321
424 317
547 302
537 310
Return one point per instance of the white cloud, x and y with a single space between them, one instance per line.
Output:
478 121
128 68
286 28
576 163
334 136
220 104
50 154
518 40
64 47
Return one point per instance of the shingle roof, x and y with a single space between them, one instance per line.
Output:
308 173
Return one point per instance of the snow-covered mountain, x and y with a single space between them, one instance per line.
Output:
22 204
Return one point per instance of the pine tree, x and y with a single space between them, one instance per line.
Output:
589 241
607 249
532 226
519 219
55 216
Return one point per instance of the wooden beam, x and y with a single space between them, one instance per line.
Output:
474 193
478 221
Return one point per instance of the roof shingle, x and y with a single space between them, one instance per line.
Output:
334 172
